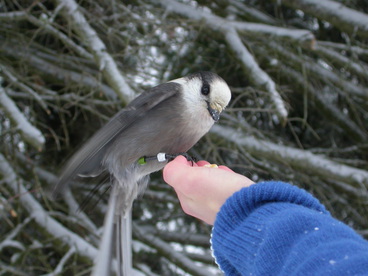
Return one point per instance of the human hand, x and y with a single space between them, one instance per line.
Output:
202 190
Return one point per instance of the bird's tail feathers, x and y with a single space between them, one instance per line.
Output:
102 265
124 244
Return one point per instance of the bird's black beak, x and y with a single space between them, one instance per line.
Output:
214 113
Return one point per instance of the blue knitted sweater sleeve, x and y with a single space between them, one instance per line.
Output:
274 228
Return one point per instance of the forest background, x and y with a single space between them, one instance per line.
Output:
298 70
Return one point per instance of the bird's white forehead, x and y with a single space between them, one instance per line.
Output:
221 93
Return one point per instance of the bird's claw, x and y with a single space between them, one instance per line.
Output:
192 159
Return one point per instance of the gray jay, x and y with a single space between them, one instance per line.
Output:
165 120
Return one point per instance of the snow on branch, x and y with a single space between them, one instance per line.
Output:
292 34
256 15
355 50
179 237
230 30
303 160
28 132
104 60
45 24
358 68
166 250
256 74
41 217
53 70
342 17
15 15
60 267
325 106
9 240
17 83
221 24
323 73
68 197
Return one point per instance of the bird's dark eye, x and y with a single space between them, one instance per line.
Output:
205 89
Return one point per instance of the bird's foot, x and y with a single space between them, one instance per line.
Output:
192 159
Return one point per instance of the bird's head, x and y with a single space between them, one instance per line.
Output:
205 90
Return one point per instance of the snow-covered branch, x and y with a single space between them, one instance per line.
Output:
220 24
8 239
46 26
189 238
57 72
230 30
91 39
296 158
256 74
203 258
59 268
342 17
29 133
355 50
273 31
323 73
17 83
325 106
53 58
69 97
360 70
249 12
69 198
167 251
15 15
41 217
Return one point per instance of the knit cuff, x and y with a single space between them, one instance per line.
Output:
243 207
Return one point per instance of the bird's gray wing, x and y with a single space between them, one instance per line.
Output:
88 159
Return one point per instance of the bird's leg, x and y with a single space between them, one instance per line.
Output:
162 157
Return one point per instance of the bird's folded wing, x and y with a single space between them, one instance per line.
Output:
88 159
